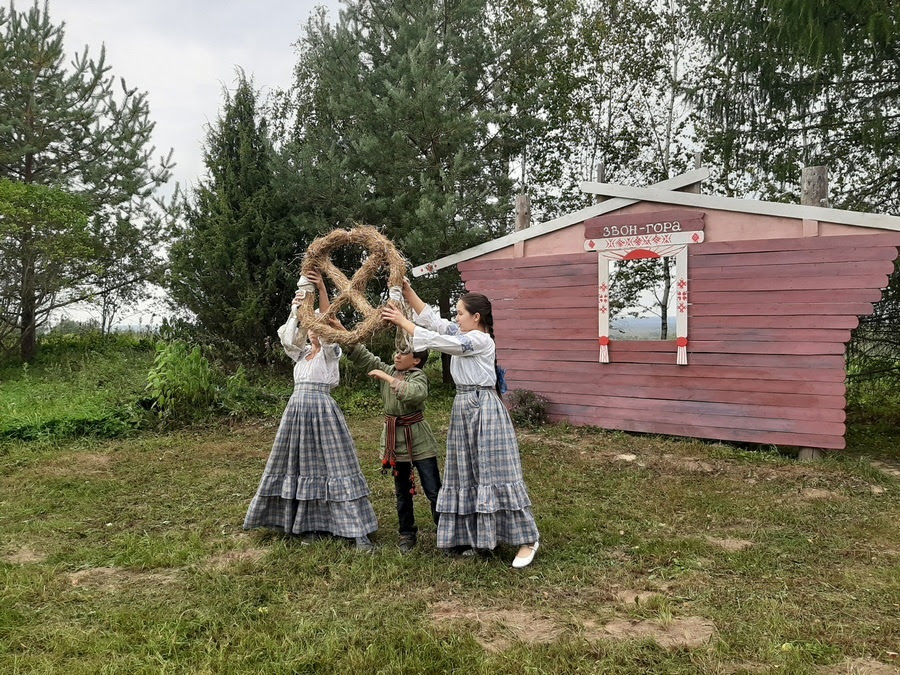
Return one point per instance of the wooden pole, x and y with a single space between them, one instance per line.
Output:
523 212
814 186
601 178
698 162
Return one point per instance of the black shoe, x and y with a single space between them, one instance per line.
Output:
364 544
407 543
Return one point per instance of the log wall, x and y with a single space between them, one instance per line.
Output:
768 324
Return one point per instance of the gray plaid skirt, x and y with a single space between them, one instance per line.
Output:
312 480
483 501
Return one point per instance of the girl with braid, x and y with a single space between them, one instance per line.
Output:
483 501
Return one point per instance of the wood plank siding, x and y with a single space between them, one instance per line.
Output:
768 324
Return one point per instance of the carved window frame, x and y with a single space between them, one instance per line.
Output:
671 242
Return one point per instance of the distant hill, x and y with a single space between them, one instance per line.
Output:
639 328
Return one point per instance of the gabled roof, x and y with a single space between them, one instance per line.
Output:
666 192
681 181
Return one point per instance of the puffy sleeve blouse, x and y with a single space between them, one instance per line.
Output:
472 354
323 368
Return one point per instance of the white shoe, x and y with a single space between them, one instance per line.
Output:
520 562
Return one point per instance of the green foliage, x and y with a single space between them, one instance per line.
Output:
406 117
234 260
69 127
527 408
102 424
794 83
182 385
359 401
873 356
80 384
611 99
62 252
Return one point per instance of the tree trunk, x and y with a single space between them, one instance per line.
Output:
28 337
28 301
664 300
444 310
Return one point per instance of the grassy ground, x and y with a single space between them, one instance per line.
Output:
658 555
126 555
77 387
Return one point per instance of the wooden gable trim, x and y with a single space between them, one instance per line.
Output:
681 181
809 213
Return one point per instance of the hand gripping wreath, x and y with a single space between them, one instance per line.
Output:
381 252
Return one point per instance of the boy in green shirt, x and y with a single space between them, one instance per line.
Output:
407 440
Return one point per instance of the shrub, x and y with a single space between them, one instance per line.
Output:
527 408
181 383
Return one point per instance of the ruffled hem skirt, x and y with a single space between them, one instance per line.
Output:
312 480
484 501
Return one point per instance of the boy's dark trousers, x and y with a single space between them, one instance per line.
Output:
430 482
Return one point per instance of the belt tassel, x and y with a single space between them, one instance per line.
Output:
389 461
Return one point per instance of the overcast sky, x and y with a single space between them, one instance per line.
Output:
182 52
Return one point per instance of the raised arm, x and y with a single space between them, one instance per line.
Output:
412 298
316 278
291 334
363 359
462 344
396 317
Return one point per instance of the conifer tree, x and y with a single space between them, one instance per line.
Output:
234 259
404 115
76 129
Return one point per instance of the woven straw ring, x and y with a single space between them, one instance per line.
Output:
381 252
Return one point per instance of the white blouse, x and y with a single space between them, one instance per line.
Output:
471 354
323 368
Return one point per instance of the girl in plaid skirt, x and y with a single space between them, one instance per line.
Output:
483 501
312 484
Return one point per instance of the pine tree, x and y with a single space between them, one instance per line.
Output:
234 259
79 131
404 115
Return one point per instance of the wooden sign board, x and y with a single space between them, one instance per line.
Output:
643 224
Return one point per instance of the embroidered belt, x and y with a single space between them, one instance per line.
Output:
389 461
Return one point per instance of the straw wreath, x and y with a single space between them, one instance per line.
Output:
381 253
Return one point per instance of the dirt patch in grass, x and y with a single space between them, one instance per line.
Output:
888 466
24 556
730 544
689 631
76 463
692 465
499 628
116 578
814 494
859 667
629 597
230 558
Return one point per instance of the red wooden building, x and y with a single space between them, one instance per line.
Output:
766 297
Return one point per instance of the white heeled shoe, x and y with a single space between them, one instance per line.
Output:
520 562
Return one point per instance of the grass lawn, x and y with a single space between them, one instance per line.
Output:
658 556
76 387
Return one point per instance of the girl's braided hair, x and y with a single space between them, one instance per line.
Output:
476 303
